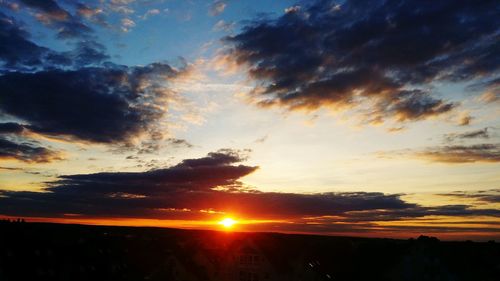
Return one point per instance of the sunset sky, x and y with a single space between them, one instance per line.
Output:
362 117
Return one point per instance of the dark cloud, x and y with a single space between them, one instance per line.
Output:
488 196
199 188
78 94
459 148
10 168
219 158
414 105
95 104
16 50
477 134
179 142
455 154
420 212
53 15
19 53
27 152
142 194
86 53
14 145
47 6
329 227
11 128
384 53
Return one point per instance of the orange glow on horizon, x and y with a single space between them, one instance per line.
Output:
245 225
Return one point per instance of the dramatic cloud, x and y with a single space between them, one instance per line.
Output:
95 104
77 94
384 54
26 152
154 194
199 188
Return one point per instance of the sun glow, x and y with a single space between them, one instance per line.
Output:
227 222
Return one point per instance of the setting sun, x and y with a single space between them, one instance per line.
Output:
227 222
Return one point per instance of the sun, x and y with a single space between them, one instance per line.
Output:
227 222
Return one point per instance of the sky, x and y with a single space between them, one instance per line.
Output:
365 118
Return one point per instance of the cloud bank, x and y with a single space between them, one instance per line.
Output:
76 95
204 188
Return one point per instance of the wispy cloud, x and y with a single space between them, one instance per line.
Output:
127 24
149 13
221 25
217 8
486 196
451 154
477 134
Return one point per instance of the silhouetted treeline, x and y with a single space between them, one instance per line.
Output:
39 251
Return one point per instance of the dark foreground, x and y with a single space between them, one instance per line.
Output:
35 251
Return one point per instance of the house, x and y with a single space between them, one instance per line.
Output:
240 260
249 264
